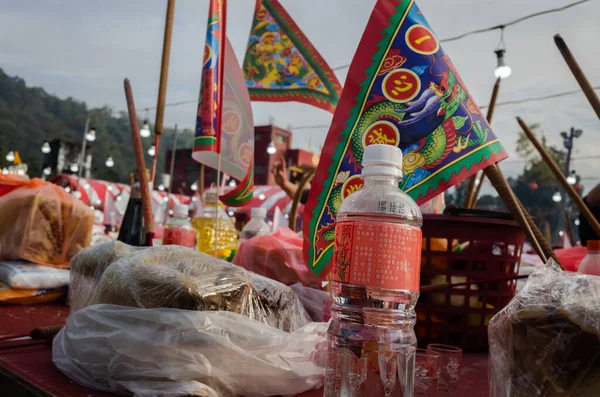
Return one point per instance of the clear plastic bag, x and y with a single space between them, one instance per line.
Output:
23 275
44 224
546 341
182 278
170 352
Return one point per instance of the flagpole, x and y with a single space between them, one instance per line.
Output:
584 83
172 170
474 188
222 41
162 87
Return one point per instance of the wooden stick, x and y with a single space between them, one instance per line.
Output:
141 166
585 211
477 192
569 228
474 188
162 87
584 83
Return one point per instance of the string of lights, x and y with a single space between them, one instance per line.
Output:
498 27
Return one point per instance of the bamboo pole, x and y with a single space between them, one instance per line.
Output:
140 164
584 83
162 87
474 188
561 178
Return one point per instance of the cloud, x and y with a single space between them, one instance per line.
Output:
85 49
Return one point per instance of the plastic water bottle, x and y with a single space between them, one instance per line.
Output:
376 265
591 263
257 225
178 230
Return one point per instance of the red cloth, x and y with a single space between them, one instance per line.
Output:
571 257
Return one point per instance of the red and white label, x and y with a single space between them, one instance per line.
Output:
377 254
184 238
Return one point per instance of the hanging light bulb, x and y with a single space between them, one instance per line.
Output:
152 151
194 186
572 178
232 183
145 131
271 149
21 172
74 167
91 135
46 148
502 71
561 233
68 189
109 162
231 213
557 197
110 188
161 187
10 156
262 196
47 171
577 222
166 199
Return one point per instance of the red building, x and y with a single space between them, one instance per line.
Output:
187 170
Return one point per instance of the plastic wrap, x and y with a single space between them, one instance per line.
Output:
316 302
277 256
23 275
546 341
43 224
182 278
170 352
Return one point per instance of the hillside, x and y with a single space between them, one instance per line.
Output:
30 115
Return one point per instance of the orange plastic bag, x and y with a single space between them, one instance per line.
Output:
43 224
8 183
277 256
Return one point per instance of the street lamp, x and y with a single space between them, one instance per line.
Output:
271 149
46 148
152 151
568 144
109 162
557 197
91 135
572 178
145 131
502 71
10 156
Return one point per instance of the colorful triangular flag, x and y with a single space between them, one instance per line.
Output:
224 126
282 65
401 90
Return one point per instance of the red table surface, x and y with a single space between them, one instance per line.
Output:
33 366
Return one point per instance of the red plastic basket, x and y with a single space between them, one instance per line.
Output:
460 248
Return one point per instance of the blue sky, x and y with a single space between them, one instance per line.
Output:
84 49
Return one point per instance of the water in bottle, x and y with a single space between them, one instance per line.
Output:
257 225
376 269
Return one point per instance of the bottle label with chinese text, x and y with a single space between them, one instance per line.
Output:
376 254
176 236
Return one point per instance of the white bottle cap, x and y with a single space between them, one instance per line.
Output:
382 160
181 211
258 212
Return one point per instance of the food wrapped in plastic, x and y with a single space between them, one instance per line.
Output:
171 352
278 256
546 341
44 224
182 278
